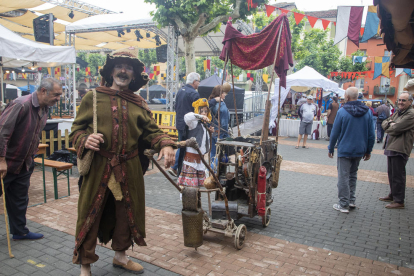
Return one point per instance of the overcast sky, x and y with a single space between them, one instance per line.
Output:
142 9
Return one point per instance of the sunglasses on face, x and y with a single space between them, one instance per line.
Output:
402 100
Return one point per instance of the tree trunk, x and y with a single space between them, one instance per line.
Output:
190 61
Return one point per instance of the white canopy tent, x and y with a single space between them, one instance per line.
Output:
16 51
306 76
102 28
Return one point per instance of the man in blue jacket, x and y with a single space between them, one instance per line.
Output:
184 104
354 130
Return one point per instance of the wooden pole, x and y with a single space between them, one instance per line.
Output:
6 219
278 116
234 100
265 127
221 91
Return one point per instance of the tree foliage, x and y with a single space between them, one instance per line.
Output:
94 60
195 18
149 58
346 63
316 51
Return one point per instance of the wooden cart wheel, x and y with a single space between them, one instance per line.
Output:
240 236
266 217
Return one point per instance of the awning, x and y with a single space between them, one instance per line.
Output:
17 51
396 24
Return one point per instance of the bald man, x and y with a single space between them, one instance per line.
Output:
353 129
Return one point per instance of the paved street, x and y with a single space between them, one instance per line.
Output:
305 236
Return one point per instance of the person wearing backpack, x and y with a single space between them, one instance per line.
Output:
383 112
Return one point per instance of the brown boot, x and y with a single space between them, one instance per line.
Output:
387 198
131 266
395 206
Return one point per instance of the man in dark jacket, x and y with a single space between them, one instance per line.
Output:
20 126
398 146
184 104
354 131
383 112
332 110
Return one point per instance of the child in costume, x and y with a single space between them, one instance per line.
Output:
193 170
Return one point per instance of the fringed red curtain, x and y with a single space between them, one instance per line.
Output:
256 51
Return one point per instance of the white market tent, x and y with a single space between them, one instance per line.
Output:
306 76
17 51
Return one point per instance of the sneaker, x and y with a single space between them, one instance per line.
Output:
340 208
172 172
28 236
352 205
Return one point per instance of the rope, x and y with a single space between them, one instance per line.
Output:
6 219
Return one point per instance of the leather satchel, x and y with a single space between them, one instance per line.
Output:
84 164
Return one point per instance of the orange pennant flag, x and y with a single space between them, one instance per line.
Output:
284 11
312 20
325 23
298 17
269 10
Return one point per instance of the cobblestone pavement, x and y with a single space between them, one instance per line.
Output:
52 255
305 236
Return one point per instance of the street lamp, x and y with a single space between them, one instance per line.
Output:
387 88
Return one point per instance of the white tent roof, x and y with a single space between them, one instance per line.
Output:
306 76
17 51
102 28
309 77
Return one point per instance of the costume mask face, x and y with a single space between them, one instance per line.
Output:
123 75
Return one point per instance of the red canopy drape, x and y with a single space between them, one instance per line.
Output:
256 51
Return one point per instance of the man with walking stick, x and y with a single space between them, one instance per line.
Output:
20 127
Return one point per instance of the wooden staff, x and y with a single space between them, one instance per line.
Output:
265 127
6 219
234 99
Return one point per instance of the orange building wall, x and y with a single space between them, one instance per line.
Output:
372 50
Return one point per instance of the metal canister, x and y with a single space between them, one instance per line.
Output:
193 228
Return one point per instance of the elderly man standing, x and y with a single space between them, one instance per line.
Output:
354 131
398 145
20 127
111 202
184 104
306 112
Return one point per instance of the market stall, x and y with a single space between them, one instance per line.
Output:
298 84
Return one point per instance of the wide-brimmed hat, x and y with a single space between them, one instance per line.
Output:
127 56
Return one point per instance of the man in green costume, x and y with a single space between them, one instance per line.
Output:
111 202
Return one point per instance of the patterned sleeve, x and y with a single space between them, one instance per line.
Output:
153 135
8 121
81 127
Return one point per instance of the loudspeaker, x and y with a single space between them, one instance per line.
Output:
161 53
41 29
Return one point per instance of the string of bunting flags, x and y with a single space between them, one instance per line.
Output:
299 16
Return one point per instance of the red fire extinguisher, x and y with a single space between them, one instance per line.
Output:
261 192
